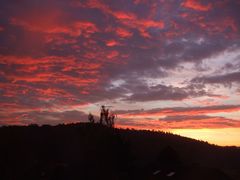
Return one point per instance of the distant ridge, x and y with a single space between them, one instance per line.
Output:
94 151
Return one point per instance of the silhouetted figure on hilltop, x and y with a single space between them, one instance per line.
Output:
111 119
106 117
102 114
91 118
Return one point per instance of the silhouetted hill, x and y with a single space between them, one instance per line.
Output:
92 151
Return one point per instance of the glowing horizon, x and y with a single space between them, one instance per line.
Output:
220 137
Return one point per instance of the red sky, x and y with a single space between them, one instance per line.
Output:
160 64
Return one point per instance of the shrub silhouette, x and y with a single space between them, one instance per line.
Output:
106 117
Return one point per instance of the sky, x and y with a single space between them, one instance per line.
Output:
171 65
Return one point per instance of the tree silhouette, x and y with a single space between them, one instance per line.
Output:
106 117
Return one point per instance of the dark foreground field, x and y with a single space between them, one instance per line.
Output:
91 151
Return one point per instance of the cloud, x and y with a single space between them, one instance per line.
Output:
209 123
64 53
43 117
123 33
181 111
76 29
160 92
196 5
111 43
225 79
178 118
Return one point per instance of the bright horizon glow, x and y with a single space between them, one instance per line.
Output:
222 137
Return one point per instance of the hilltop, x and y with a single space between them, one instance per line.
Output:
93 151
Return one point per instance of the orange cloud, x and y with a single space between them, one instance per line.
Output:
182 111
128 19
47 20
98 5
226 25
123 15
196 5
139 1
111 43
123 33
35 70
142 25
51 92
150 23
11 107
210 123
112 54
59 40
27 60
85 27
53 25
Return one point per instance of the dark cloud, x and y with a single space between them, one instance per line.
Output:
160 92
186 118
225 79
182 110
43 117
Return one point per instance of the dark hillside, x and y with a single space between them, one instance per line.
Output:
92 151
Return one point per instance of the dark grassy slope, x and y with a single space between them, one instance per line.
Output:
91 151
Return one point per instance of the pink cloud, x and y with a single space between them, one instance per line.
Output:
183 111
196 5
111 43
123 33
198 123
74 29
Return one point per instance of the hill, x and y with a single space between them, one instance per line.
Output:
93 151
